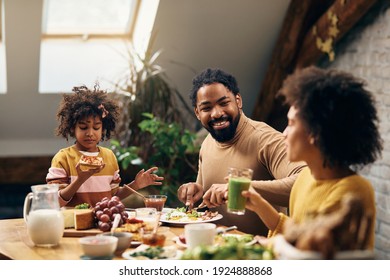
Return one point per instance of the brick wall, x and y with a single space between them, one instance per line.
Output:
365 52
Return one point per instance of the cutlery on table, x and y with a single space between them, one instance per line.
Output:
115 223
223 230
134 191
201 206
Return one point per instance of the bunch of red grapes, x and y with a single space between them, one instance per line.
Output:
106 210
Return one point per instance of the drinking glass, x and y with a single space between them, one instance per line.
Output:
148 215
154 238
239 180
155 201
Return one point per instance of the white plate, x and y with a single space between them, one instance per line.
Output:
166 210
285 251
131 213
182 223
177 253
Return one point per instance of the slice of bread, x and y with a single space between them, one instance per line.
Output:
84 219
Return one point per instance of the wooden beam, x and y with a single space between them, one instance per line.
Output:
300 16
330 28
310 30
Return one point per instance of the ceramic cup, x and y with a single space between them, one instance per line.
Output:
199 234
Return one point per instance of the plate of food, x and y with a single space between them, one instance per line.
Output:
146 252
179 216
284 250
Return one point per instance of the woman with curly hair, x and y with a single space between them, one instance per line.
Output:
332 126
89 117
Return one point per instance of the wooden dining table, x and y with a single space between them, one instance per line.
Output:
15 243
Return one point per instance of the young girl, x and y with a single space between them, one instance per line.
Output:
89 117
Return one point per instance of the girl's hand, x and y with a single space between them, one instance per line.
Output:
83 175
147 178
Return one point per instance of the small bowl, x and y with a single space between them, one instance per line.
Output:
124 241
154 239
98 246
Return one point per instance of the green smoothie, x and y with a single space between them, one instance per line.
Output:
236 202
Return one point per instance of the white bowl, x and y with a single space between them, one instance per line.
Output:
98 246
124 241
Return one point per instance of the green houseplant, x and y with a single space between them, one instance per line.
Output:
172 149
145 87
151 131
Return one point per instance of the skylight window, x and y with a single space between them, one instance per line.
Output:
89 17
83 42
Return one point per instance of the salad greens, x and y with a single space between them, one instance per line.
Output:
231 250
150 253
191 214
82 206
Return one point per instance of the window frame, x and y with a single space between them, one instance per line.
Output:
126 36
1 21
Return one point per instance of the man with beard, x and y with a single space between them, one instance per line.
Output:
235 140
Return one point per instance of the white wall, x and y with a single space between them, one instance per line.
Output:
367 55
27 119
237 35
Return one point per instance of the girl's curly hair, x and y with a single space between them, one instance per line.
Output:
84 103
339 112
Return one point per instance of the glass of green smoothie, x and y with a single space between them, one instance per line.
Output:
239 180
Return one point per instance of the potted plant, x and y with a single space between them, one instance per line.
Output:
151 131
172 148
144 87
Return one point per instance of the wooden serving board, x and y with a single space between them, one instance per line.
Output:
71 232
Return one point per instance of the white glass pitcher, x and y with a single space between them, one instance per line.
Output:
42 214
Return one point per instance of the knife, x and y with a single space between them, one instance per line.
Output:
196 208
223 230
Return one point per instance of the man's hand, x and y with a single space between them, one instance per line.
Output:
190 193
216 195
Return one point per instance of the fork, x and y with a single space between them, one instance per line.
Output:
196 208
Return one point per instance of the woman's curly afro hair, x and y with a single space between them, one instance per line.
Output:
339 112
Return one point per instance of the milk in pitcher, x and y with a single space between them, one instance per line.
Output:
45 226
